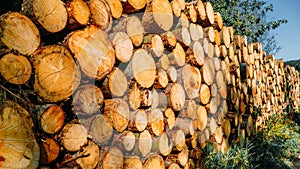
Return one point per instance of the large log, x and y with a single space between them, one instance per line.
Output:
100 13
93 51
19 148
78 13
56 74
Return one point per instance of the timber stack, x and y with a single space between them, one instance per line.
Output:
130 84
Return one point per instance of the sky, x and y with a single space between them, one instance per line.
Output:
287 35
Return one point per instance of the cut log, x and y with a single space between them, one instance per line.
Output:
143 68
158 16
163 62
225 36
74 137
100 14
186 125
155 98
93 51
156 121
191 12
101 130
125 140
131 6
132 162
115 84
12 33
178 139
123 46
117 113
134 96
51 118
201 11
154 161
78 13
209 33
218 135
195 55
56 74
145 143
113 159
201 118
154 44
49 150
169 39
208 71
177 97
165 144
51 15
115 7
138 120
218 21
88 100
170 115
15 69
177 57
204 94
18 145
210 18
196 32
177 7
191 80
174 166
90 156
183 36
172 74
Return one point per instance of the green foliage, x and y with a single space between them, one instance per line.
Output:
294 63
249 17
238 157
276 144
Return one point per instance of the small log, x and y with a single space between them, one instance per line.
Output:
51 118
88 100
154 44
210 18
158 16
195 55
191 12
201 11
225 36
196 32
177 57
191 79
180 158
138 120
163 62
132 6
169 39
172 74
218 21
177 7
204 94
209 33
162 79
90 156
116 8
156 121
92 44
117 113
100 14
15 69
170 118
56 74
123 46
178 139
50 150
115 84
183 36
125 141
74 137
177 97
113 159
13 36
208 71
201 117
132 162
101 130
154 161
78 13
143 68
134 96
145 143
186 125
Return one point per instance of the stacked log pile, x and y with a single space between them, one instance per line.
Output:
134 83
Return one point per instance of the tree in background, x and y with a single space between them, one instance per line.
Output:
249 17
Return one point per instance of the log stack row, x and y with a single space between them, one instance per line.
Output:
136 83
